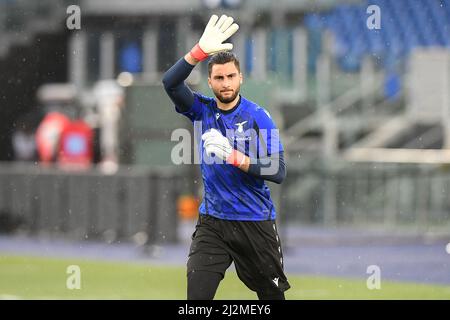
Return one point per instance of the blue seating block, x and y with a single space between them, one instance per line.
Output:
405 24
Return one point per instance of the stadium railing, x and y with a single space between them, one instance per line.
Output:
134 204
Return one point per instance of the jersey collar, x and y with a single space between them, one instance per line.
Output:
232 109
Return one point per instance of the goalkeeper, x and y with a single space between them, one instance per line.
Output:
240 149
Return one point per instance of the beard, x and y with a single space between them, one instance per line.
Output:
227 99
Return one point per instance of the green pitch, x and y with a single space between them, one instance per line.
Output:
44 278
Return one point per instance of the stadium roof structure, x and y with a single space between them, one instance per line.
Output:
105 7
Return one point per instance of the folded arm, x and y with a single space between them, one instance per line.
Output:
271 168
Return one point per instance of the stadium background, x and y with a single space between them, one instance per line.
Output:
364 118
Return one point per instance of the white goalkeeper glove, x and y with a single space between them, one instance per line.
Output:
216 31
215 143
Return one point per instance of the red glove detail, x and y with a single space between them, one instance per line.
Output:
236 158
197 53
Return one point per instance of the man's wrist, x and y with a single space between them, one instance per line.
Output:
197 53
239 160
190 59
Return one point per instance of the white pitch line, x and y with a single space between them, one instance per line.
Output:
9 297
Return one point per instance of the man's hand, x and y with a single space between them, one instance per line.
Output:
215 143
216 32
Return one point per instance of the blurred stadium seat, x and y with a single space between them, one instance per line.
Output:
405 25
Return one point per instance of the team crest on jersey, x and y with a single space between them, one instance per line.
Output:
240 126
240 134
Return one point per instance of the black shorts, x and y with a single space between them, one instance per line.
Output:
253 246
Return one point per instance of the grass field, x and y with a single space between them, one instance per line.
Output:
24 277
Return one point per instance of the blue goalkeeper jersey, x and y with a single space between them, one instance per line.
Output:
231 193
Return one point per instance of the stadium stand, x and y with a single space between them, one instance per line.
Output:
405 26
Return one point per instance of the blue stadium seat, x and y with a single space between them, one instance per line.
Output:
405 24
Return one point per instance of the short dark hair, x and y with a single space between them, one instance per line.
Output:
222 58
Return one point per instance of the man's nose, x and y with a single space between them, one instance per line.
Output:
227 83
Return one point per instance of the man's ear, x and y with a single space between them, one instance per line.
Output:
240 75
209 83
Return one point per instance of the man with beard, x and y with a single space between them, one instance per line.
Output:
240 149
